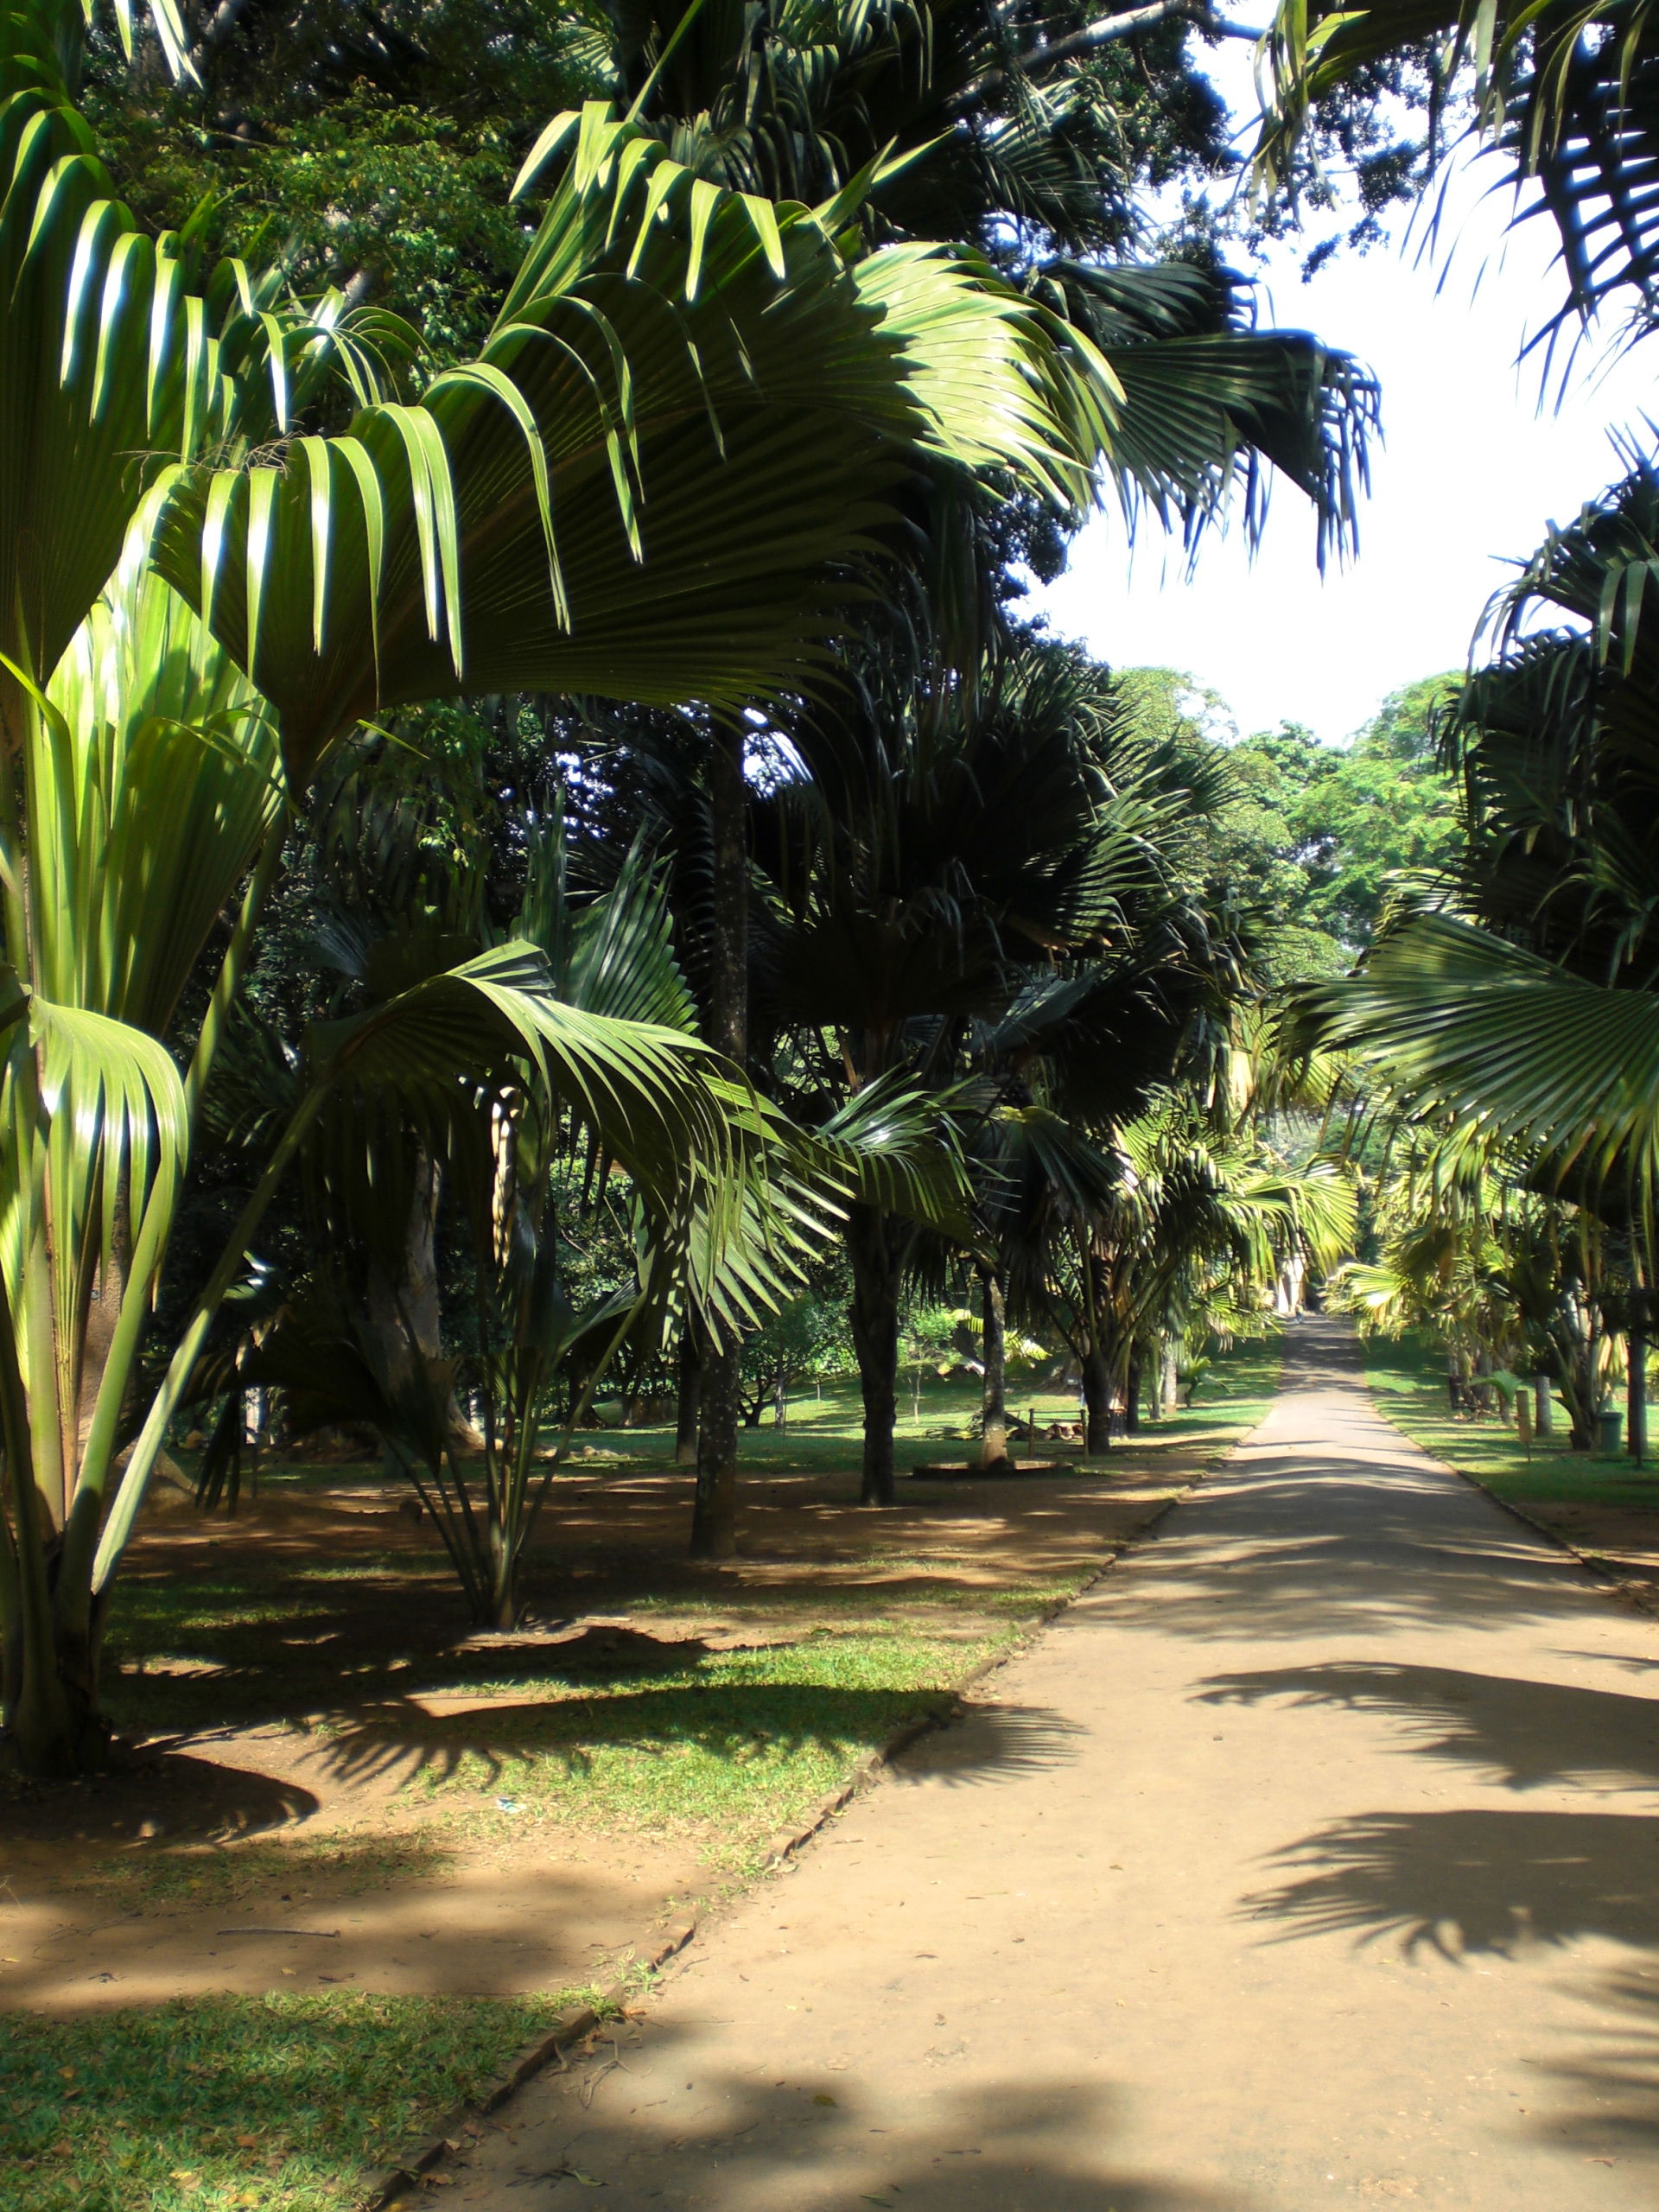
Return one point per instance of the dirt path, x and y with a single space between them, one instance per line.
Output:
1314 1858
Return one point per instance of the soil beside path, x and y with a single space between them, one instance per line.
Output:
1313 1858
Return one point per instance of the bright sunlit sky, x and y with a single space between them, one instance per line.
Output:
1470 472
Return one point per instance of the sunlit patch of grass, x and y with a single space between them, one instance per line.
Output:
209 2103
1407 1378
724 1751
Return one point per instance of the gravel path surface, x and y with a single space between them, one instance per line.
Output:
1312 1859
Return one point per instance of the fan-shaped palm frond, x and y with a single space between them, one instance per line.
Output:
681 378
1456 1021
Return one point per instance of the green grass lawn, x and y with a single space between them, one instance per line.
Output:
288 2101
1408 1377
823 1433
284 2100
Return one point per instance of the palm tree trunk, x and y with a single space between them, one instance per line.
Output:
690 1397
1132 1395
878 1276
713 1516
994 1446
405 1311
1637 1398
1097 1401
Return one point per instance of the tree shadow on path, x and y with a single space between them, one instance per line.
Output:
1616 2076
1526 1734
648 2121
1467 1882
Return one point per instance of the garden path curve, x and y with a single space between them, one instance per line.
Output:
1311 1859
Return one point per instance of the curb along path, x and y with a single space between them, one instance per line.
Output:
1311 1859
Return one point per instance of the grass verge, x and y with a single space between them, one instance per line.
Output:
284 2103
1407 1378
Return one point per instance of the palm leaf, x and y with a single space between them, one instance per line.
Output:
96 1129
898 1150
1453 1020
680 378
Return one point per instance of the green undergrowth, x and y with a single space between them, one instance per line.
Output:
1407 1378
286 2102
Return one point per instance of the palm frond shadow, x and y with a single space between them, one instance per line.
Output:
1524 1733
1384 1565
994 1743
1616 2073
404 1741
1468 1883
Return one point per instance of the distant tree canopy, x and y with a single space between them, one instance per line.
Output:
1317 836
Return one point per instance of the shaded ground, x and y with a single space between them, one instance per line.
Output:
1311 1859
340 1818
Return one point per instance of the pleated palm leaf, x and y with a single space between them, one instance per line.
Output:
991 128
1526 1012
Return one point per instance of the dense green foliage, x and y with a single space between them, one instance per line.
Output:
1316 839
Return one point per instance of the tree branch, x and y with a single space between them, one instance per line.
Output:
1106 32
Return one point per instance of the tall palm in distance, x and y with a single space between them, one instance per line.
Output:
969 882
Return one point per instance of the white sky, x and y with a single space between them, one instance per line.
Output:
1470 473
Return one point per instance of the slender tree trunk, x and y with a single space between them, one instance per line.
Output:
714 1515
1132 1395
993 1445
874 1248
502 1608
407 1314
1097 1402
685 1428
1579 1389
1637 1398
713 1518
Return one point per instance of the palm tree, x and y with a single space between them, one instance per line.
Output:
930 875
662 339
509 1160
996 129
1520 1004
